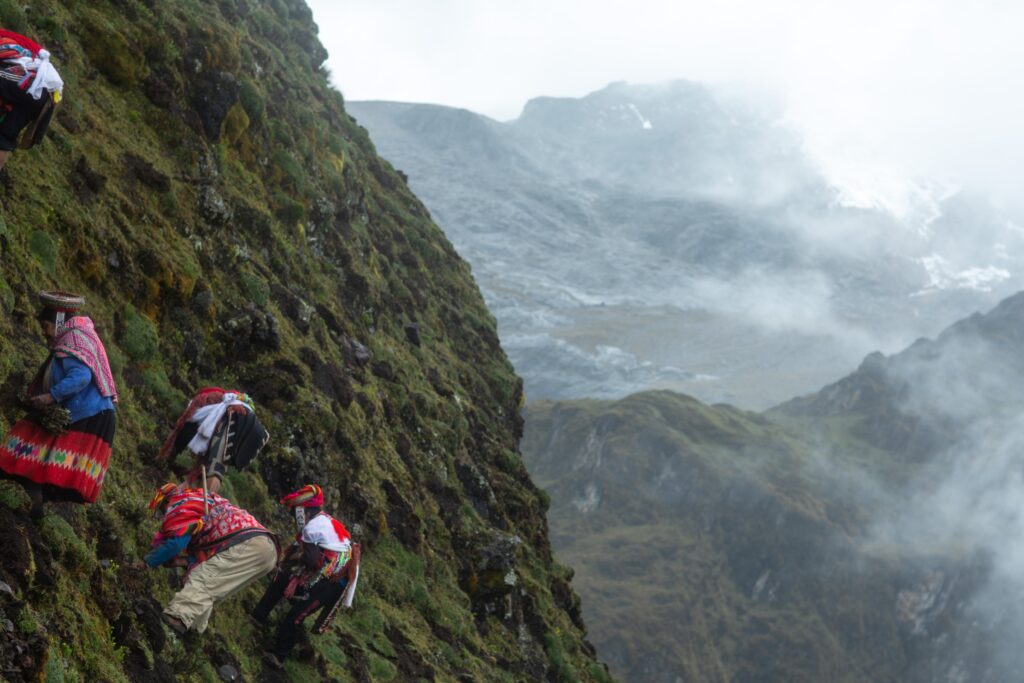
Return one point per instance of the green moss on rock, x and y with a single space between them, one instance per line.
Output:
44 248
13 496
139 336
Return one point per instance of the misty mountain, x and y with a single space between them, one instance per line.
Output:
867 532
677 236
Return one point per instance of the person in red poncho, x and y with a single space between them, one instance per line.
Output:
319 572
30 89
66 462
219 427
225 549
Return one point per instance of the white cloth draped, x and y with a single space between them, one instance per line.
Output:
46 77
208 418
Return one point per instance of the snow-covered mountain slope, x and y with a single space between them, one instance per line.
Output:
676 236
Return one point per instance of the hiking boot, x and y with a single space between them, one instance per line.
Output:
175 624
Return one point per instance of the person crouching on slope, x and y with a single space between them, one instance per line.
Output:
319 572
65 457
30 89
226 550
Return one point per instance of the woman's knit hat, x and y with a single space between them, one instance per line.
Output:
65 302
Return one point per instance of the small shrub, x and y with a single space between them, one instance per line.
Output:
381 669
13 496
12 16
559 665
111 53
235 124
27 625
169 204
256 288
6 295
44 248
64 542
159 385
139 337
289 211
290 171
252 100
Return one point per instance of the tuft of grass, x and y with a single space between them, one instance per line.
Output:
12 16
256 288
64 542
13 496
139 336
45 249
381 669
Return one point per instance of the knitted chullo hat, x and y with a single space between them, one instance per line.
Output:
161 494
309 496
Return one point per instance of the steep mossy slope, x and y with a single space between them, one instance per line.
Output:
203 186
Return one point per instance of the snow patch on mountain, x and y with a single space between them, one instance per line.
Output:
942 276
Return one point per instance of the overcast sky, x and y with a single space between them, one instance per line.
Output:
879 88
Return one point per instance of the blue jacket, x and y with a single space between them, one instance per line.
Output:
71 386
167 550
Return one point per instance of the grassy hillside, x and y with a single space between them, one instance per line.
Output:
229 224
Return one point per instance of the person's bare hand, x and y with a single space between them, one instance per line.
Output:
41 401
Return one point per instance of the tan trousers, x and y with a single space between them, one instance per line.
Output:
219 577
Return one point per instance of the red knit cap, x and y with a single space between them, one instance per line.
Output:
309 496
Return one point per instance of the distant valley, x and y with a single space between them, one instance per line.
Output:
868 532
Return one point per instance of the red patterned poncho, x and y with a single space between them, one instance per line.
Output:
223 526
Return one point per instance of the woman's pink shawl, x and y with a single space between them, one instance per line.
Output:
78 339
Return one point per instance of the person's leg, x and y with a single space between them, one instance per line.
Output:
220 576
272 596
23 110
321 594
193 603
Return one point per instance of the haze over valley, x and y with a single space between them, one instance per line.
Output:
677 236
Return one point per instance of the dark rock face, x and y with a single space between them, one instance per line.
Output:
143 171
213 95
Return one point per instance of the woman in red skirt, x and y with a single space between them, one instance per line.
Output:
69 464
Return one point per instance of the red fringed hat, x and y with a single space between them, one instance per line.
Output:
309 496
161 494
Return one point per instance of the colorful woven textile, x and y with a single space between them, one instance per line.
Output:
79 340
161 494
335 544
27 63
204 397
75 460
226 525
309 496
